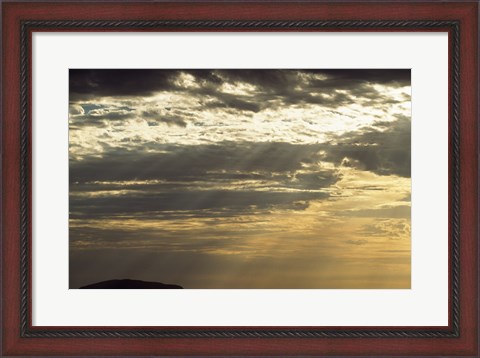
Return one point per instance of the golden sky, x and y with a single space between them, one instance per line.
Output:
241 178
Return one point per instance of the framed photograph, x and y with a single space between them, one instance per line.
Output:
226 178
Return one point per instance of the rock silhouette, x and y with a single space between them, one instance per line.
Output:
130 284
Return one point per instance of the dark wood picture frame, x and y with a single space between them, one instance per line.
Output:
20 19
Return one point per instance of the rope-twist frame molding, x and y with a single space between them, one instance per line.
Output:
321 332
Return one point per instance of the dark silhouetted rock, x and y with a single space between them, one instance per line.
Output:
130 284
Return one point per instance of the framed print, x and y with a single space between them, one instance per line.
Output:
222 178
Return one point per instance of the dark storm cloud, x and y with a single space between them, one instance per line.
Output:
400 77
317 179
384 148
224 101
214 215
178 171
288 87
85 83
193 162
236 201
276 80
283 86
111 116
291 87
154 117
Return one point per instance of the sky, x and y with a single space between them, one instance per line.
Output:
240 178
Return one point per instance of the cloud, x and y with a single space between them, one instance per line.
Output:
90 83
235 176
383 148
159 117
76 109
278 79
229 202
317 179
399 77
97 115
226 101
233 173
332 88
393 229
193 162
400 211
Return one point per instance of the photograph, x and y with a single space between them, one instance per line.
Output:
239 178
